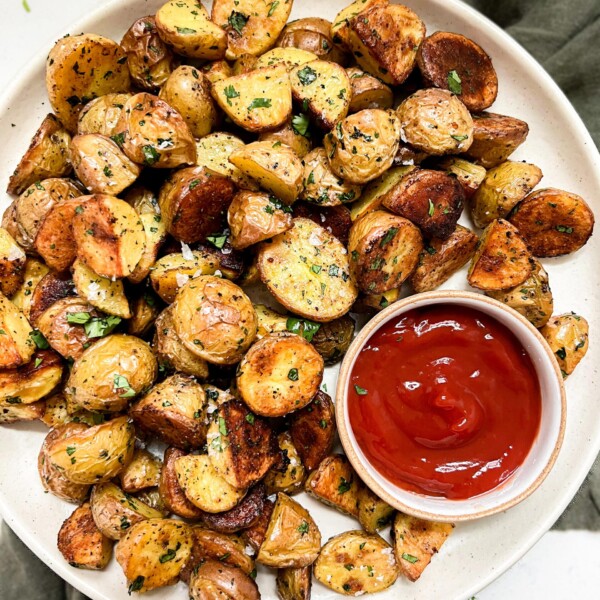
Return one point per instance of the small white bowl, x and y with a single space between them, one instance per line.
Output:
538 462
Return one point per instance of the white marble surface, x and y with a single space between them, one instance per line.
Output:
561 565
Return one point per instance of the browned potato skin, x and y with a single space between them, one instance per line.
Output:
300 144
194 203
254 535
9 222
214 579
567 335
495 138
47 156
294 584
141 473
171 492
81 543
368 91
51 288
313 431
430 199
334 219
149 59
553 222
442 258
313 34
443 52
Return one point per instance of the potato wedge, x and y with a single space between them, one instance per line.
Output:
291 479
141 473
334 219
415 543
13 413
355 563
203 486
294 584
451 61
312 430
290 57
553 222
51 288
256 101
287 134
502 189
72 81
368 92
252 28
373 512
12 264
442 258
292 539
16 345
384 251
468 174
81 543
307 270
174 411
213 579
109 235
186 26
567 335
501 260
336 484
153 552
47 156
340 26
102 114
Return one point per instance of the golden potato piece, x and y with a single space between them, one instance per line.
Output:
340 26
567 335
287 134
9 222
13 413
290 57
469 175
294 584
368 92
416 541
373 512
81 543
153 552
33 273
213 579
16 345
214 319
501 260
102 114
292 539
307 270
280 373
291 479
244 64
185 25
80 68
12 264
51 288
47 156
144 311
141 473
256 101
109 235
355 563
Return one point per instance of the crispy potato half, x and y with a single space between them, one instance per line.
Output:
12 264
567 335
501 260
333 339
368 91
294 584
214 579
340 25
307 270
553 222
47 156
255 534
101 115
16 345
279 374
73 81
356 562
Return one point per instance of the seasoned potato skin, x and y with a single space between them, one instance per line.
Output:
286 134
334 219
16 345
368 91
101 115
216 579
81 543
290 57
141 473
567 335
294 584
12 264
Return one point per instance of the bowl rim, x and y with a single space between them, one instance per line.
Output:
344 427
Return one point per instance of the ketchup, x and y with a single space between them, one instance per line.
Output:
445 401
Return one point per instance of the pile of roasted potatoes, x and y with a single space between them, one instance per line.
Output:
202 158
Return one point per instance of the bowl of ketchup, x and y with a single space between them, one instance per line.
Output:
451 406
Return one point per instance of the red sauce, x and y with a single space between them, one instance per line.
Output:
444 400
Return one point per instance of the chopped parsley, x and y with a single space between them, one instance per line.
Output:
222 426
410 558
300 125
454 82
564 229
303 527
39 340
250 418
237 21
218 241
307 75
137 584
360 390
121 386
293 375
230 92
151 155
259 103
431 210
345 485
272 8
185 30
388 237
307 329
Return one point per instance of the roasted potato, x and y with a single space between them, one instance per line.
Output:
362 146
144 312
340 25
186 26
442 258
244 64
174 411
102 115
9 222
255 534
532 298
453 62
287 134
13 413
269 321
384 250
291 479
149 59
255 216
502 189
294 584
256 101
187 90
373 512
203 486
416 541
214 579
81 543
336 484
301 265
553 222
59 411
290 57
101 165
12 264
33 272
252 28
356 562
276 169
141 473
468 174
384 39
501 260
368 92
16 345
334 219
96 454
279 374
367 302
153 552
217 70
430 199
73 81
333 339
436 122
567 335
495 138
152 497
292 539
47 156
